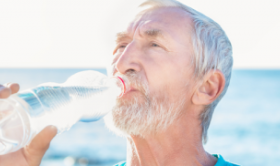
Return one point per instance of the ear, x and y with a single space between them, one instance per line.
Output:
210 88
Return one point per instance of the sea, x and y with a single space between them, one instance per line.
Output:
245 128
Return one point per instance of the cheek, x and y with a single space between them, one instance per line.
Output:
167 73
169 80
165 84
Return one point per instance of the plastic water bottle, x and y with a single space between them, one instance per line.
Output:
85 96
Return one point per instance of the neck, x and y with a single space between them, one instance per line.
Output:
179 144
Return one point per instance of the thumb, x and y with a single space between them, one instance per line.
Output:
35 151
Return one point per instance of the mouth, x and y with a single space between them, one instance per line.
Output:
129 86
129 90
126 86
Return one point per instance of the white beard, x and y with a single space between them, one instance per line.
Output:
142 115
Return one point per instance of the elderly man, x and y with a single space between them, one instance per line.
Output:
179 64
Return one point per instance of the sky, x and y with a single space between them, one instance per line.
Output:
79 34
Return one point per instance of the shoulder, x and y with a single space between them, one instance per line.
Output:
222 162
121 164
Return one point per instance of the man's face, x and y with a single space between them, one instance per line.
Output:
155 53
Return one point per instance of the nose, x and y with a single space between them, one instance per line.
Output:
129 60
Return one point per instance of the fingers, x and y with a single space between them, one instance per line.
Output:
35 151
4 92
8 89
41 141
13 86
31 155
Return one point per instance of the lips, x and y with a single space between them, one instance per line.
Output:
125 82
130 82
131 89
123 86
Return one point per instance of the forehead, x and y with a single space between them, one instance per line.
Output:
172 21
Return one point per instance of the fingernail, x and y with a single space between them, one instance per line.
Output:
53 127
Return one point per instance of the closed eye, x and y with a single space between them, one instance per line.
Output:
155 45
120 48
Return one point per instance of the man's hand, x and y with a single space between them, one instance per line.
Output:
8 89
32 154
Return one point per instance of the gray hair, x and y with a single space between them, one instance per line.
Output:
212 51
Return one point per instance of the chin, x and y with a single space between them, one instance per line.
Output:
131 98
141 116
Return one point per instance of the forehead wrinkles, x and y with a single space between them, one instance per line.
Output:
148 29
143 22
136 26
172 21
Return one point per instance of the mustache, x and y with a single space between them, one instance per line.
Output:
136 81
133 78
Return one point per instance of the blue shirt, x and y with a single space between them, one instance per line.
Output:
220 162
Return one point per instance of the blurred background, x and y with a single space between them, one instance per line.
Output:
48 41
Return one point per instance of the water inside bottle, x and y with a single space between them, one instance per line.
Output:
88 95
11 126
63 106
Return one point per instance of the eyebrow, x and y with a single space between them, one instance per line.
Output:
154 33
151 33
121 36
